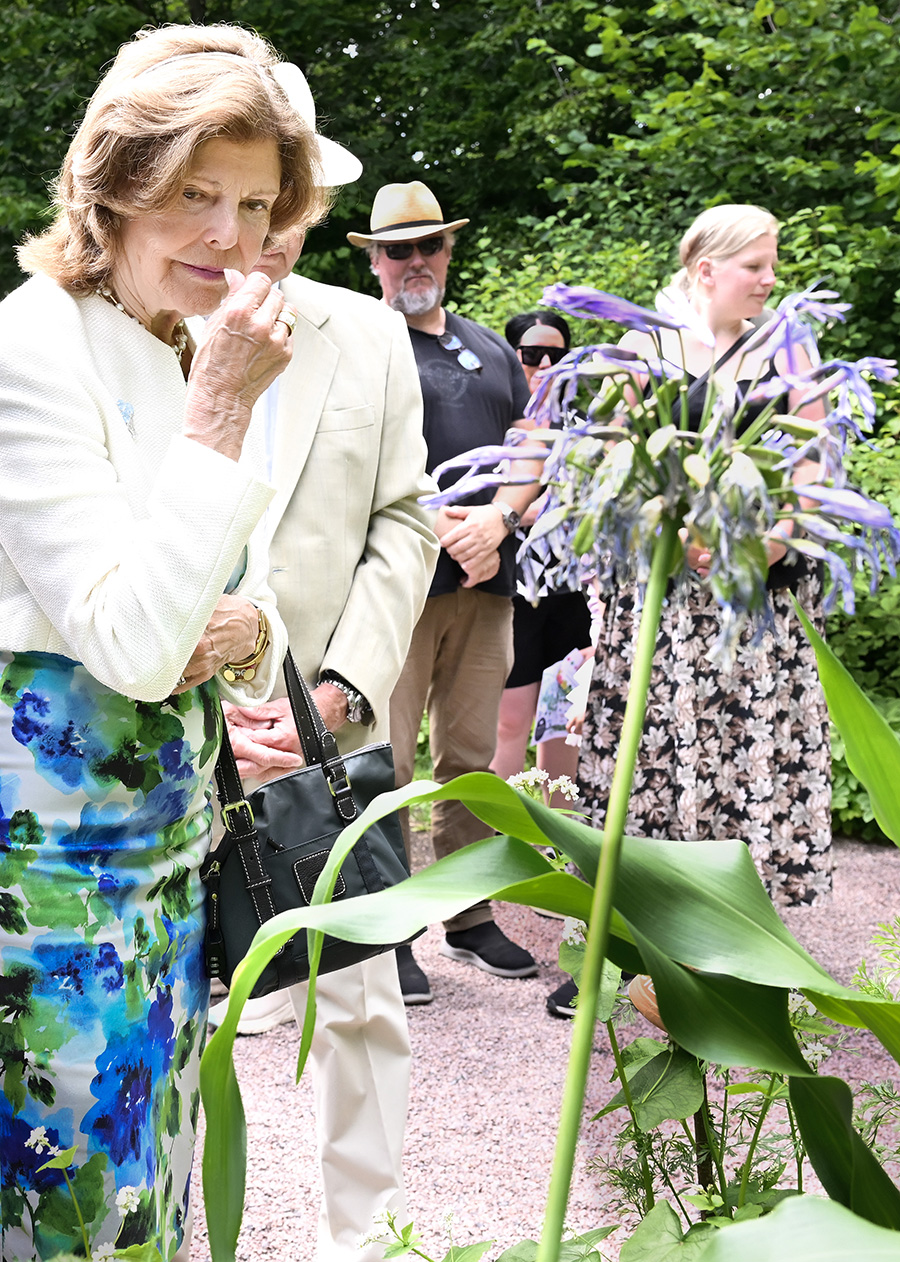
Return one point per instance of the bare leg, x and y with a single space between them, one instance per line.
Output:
517 708
558 759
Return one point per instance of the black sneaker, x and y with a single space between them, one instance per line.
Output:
562 1002
413 982
488 948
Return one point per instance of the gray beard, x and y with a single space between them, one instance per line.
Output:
418 303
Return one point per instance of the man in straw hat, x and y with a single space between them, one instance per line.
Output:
462 651
351 554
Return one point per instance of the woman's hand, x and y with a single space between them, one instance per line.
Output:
698 557
247 344
264 739
230 636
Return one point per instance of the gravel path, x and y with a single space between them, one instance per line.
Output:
488 1068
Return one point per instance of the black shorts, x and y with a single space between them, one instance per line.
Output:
545 633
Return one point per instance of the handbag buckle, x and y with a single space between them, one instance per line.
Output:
339 784
243 805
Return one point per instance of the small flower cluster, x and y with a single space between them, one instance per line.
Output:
631 460
536 781
128 1199
40 1143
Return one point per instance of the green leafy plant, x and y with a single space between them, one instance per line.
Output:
695 917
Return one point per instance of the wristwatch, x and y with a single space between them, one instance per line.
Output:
358 708
511 518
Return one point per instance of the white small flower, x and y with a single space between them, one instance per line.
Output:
529 779
127 1199
563 785
574 931
103 1252
40 1143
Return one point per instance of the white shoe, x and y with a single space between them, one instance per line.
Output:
258 1015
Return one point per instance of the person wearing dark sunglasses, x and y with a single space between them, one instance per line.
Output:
540 339
461 652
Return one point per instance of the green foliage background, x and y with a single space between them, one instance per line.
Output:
580 138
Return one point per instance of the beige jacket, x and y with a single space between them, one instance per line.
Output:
117 535
351 550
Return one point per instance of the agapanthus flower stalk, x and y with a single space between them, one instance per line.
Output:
727 484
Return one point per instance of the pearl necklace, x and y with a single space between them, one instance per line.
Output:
179 333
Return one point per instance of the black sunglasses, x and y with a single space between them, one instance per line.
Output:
396 250
533 355
467 358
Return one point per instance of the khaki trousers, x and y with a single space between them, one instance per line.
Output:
360 1062
458 663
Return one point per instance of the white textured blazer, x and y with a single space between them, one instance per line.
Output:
351 549
117 534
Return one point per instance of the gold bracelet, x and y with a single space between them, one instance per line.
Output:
246 670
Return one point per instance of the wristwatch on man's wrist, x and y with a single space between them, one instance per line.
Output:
511 518
358 708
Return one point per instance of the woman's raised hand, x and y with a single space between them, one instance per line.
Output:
247 344
230 636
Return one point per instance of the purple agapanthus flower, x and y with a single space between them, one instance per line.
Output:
626 463
850 506
594 304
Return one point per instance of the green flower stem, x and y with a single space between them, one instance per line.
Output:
604 891
774 1083
84 1236
646 1175
798 1146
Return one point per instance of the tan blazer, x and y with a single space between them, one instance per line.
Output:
351 550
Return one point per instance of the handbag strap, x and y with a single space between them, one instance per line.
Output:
319 749
701 381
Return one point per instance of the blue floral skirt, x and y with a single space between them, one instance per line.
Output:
104 820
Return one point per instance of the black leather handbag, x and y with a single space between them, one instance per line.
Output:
277 840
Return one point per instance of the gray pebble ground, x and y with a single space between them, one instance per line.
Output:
488 1068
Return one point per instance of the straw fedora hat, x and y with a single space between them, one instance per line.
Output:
339 165
404 212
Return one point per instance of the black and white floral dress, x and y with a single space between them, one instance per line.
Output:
741 754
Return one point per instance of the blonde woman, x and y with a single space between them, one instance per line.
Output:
131 595
725 754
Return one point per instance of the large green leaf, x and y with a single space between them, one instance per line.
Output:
804 1229
724 1019
870 747
881 1017
660 1237
663 1086
849 1171
698 904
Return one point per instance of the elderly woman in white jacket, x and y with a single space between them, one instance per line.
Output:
131 596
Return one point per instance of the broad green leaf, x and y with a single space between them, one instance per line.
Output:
61 1161
723 1019
804 1229
225 1144
667 1087
660 1238
701 904
580 1248
871 749
880 1016
849 1171
468 1252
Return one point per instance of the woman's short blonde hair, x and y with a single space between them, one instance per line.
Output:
719 233
168 91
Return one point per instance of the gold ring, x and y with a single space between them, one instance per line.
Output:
288 317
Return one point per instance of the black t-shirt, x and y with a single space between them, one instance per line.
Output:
467 408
